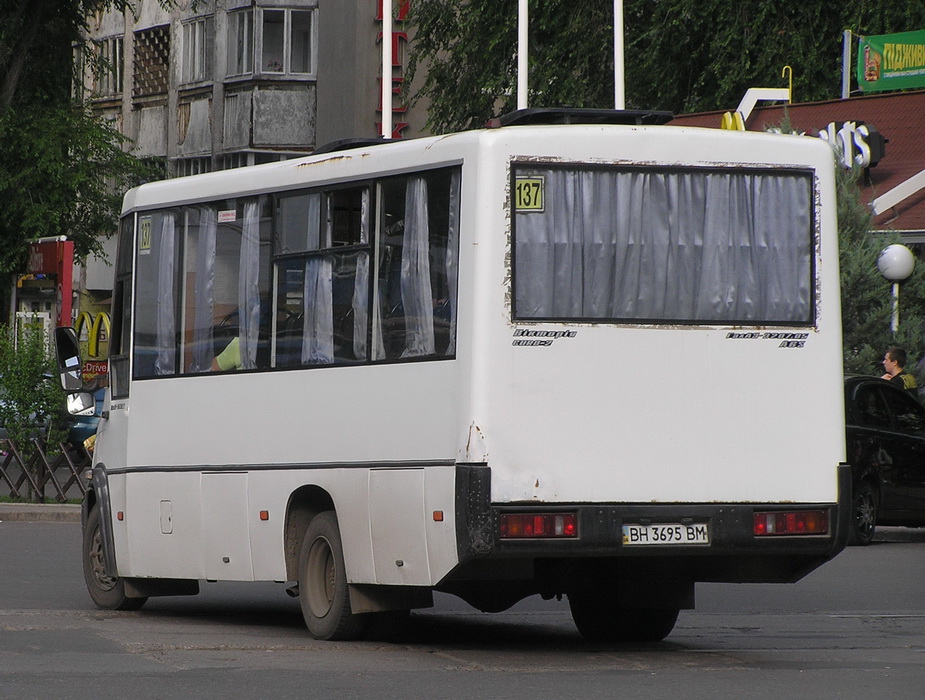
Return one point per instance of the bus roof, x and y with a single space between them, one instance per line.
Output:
367 158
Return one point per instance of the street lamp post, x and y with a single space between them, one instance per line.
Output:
896 263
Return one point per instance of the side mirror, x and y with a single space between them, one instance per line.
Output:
67 354
81 404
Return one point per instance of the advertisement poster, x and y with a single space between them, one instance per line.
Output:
891 61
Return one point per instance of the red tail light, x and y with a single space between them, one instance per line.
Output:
538 525
797 522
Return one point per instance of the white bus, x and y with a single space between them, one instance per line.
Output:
597 358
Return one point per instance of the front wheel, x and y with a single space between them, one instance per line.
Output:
600 618
863 514
323 593
108 592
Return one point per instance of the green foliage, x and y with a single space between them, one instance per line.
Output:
62 170
31 405
867 302
681 55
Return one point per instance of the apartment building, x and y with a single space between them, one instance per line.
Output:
214 84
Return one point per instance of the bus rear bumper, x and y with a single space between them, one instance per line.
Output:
720 540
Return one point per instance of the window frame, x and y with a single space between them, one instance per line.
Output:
344 239
248 61
197 49
109 72
241 54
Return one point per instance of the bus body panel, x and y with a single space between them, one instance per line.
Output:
187 525
279 418
637 417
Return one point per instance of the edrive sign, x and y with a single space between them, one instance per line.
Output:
856 143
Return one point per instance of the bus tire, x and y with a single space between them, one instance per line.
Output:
599 618
323 593
863 514
107 592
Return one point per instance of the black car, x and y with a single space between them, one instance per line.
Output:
885 432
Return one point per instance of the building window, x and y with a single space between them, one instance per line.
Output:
109 67
240 42
151 63
242 159
193 166
197 50
283 40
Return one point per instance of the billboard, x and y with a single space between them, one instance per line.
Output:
891 61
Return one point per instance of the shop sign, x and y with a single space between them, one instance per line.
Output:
855 143
892 61
92 332
92 369
398 40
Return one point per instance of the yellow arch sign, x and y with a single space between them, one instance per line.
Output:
733 121
97 329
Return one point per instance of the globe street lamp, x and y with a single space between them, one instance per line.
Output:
896 263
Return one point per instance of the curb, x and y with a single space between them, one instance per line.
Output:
885 534
40 512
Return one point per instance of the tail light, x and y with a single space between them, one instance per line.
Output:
796 522
538 525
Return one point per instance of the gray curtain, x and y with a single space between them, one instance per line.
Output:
248 285
318 322
688 246
317 313
166 321
361 285
416 295
452 252
203 312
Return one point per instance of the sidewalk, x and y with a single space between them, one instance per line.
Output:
36 512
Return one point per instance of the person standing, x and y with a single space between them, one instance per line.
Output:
894 361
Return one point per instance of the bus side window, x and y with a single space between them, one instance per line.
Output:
122 311
417 273
322 277
227 283
155 346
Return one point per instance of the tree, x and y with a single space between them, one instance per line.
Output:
61 167
866 296
681 55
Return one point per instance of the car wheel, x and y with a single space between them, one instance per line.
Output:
323 593
108 592
864 514
599 618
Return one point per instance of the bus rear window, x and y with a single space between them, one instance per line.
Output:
650 245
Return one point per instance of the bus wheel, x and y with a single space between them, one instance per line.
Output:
599 618
107 592
864 514
323 591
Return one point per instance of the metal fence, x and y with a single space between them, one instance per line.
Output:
40 474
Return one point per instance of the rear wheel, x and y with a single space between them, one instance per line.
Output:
323 592
864 514
600 618
108 592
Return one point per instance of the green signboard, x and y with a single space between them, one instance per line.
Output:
892 61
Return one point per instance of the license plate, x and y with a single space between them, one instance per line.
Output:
666 533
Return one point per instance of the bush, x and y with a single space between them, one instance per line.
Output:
31 404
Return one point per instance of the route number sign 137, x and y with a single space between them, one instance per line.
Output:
529 194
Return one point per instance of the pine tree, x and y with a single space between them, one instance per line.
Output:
867 301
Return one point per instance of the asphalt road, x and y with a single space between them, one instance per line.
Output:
853 629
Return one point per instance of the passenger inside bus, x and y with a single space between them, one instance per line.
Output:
229 358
